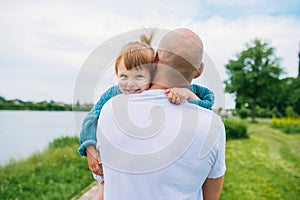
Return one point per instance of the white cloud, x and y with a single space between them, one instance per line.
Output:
224 38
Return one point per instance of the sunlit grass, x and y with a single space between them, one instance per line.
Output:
58 173
265 166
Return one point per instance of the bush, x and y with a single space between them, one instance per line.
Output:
289 111
235 129
287 124
65 141
244 112
291 129
265 112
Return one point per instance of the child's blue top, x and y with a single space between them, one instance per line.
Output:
90 122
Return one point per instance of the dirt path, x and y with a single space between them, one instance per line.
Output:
90 194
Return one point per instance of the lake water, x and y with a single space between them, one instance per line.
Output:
23 133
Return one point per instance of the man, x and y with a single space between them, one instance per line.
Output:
152 149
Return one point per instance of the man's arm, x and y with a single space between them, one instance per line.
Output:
212 188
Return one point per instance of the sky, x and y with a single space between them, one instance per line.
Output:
44 44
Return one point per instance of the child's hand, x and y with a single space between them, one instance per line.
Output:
94 160
178 95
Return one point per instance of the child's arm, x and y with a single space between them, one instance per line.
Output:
207 97
88 132
195 94
89 125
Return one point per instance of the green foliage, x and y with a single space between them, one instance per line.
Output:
18 104
265 166
290 112
251 75
287 95
244 112
63 142
57 173
291 129
287 124
235 129
292 94
265 112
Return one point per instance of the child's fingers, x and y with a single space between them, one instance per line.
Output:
178 100
170 97
181 99
175 100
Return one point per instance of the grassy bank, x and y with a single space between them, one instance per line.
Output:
57 173
265 166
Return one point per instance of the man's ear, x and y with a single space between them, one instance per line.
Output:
199 71
155 61
155 58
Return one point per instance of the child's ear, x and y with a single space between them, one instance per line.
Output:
199 71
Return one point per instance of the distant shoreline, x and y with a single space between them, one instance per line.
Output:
17 104
45 110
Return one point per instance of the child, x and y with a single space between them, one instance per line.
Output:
134 69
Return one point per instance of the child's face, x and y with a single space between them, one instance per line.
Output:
133 81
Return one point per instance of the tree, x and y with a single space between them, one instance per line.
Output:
254 75
293 93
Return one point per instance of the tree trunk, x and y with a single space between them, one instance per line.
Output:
253 109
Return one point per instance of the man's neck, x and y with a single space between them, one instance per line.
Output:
157 86
163 80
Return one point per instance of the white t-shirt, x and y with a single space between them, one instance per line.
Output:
153 149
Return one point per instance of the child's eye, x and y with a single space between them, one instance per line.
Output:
123 76
139 76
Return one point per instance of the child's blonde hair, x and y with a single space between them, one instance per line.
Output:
137 54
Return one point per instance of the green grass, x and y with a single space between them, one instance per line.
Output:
57 173
265 166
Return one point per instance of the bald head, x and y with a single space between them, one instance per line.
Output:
189 35
182 50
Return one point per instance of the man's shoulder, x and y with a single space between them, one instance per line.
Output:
148 95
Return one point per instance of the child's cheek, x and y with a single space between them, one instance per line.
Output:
121 85
145 86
